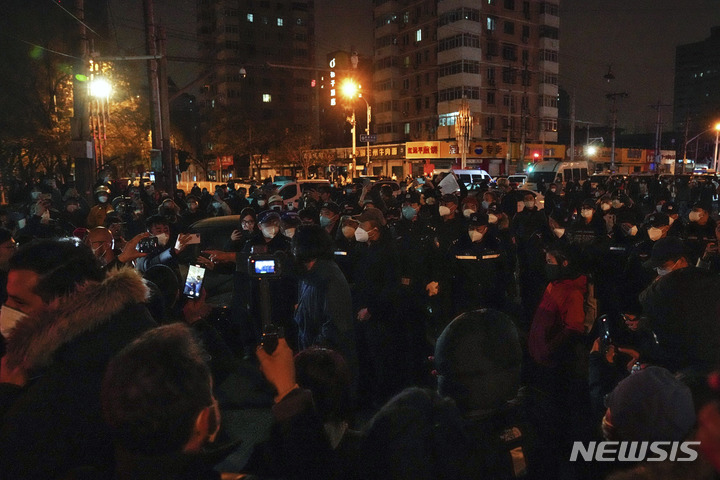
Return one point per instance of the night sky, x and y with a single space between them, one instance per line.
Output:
637 37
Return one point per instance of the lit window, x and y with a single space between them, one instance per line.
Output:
406 128
280 22
418 35
250 17
267 98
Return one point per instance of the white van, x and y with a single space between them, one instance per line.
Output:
553 171
469 177
291 192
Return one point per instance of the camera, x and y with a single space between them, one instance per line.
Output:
271 335
147 245
264 266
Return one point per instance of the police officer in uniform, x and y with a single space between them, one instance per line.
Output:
482 271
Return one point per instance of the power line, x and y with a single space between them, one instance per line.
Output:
73 16
40 46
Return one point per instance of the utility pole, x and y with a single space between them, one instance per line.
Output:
168 160
572 127
154 86
613 97
82 149
658 135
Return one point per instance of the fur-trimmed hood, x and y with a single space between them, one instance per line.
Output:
34 340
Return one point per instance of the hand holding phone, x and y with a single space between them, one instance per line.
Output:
194 281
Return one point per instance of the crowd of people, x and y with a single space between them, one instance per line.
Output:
434 331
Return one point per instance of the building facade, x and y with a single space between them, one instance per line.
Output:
260 56
696 105
501 55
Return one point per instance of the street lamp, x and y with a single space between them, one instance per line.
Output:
351 91
717 129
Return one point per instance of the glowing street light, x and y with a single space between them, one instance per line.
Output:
351 91
100 87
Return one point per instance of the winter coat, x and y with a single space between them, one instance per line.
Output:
53 423
559 316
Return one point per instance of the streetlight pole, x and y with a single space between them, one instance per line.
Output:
354 148
613 97
717 137
367 135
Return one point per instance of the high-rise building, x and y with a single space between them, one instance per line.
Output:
696 106
501 55
260 55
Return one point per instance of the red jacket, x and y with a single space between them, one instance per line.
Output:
560 315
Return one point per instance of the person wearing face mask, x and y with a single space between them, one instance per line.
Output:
700 229
192 212
469 206
589 226
452 225
526 222
556 344
62 310
72 216
637 278
481 273
552 197
275 203
329 217
96 217
101 241
259 202
289 223
681 305
375 294
324 314
346 247
168 247
419 303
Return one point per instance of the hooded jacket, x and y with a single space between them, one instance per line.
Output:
54 423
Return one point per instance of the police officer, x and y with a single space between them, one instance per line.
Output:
482 275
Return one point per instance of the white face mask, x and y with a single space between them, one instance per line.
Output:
443 211
163 239
361 235
348 232
694 216
485 204
8 318
34 195
475 236
102 199
605 207
261 203
270 232
559 232
430 201
467 212
529 204
586 213
492 218
654 234
289 232
658 208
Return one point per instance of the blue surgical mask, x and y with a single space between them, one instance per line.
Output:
408 212
324 221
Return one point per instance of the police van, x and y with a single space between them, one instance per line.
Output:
553 171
